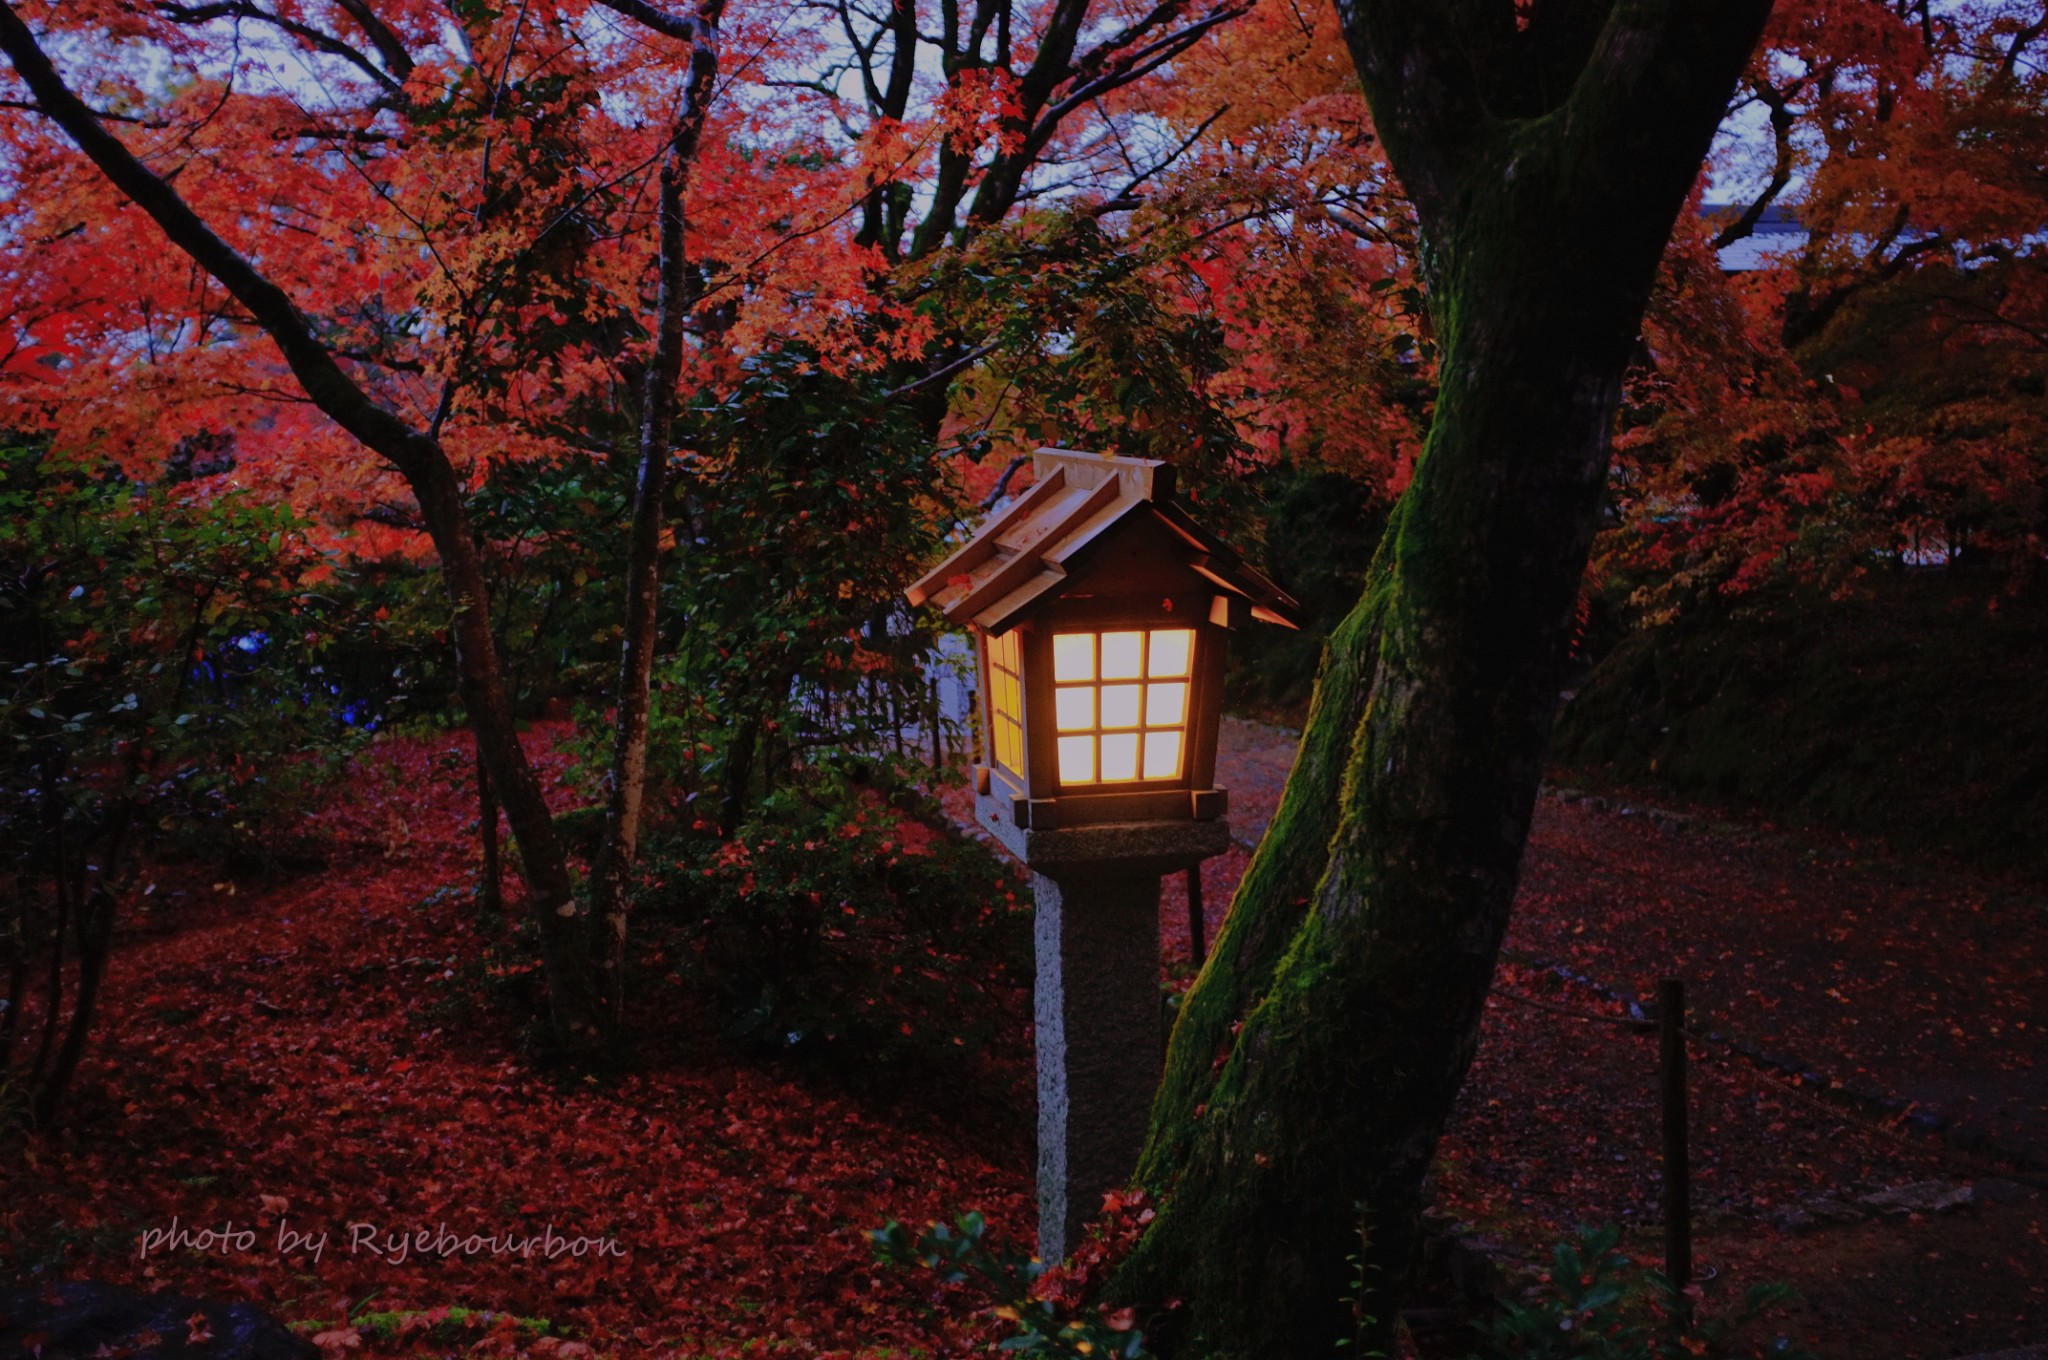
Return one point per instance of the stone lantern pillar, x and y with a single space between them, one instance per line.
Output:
1096 999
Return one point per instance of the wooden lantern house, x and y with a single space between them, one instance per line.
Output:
1100 612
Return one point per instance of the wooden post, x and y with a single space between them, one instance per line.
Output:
1677 1162
1196 926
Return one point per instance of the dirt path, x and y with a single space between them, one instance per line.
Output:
1919 994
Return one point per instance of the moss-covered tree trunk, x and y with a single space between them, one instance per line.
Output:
1319 1052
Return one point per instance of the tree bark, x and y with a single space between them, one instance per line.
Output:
626 781
491 892
1318 1054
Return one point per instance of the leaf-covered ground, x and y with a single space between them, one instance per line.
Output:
303 1059
312 1054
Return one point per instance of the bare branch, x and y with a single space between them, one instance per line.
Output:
1779 103
396 58
1128 194
30 106
940 373
1136 65
326 134
2008 65
1002 486
682 27
243 9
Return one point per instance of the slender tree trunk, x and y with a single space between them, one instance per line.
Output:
1318 1054
626 781
94 910
491 896
561 920
60 849
17 969
737 774
53 1004
94 934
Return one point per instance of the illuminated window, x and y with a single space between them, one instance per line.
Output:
1006 701
1120 704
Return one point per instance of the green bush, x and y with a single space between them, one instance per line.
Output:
1908 709
1319 531
958 1253
806 503
1594 1304
164 659
831 922
163 694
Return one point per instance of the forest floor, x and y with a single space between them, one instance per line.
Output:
308 1053
1877 1023
312 1054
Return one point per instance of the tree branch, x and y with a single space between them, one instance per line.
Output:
396 58
1136 65
682 27
937 374
1128 194
1779 103
2008 65
324 42
1002 486
30 106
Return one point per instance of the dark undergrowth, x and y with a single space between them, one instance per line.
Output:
1911 711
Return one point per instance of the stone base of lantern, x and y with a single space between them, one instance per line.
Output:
1096 998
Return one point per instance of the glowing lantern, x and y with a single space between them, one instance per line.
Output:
1101 610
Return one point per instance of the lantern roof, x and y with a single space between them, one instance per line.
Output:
1030 551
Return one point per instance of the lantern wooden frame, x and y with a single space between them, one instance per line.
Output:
1097 545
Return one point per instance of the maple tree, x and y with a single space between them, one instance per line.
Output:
1866 398
416 449
1302 246
480 207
